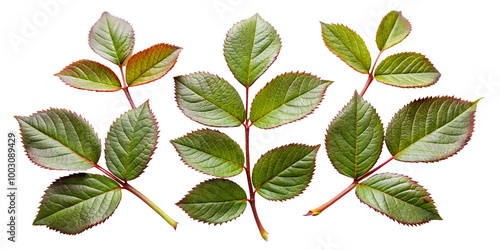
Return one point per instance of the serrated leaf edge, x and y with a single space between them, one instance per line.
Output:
328 82
76 87
315 148
49 109
409 31
89 226
184 161
398 221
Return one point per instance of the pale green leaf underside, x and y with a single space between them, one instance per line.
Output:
287 98
112 38
60 139
209 100
430 129
211 152
250 48
399 198
215 201
151 64
407 70
90 75
77 202
392 30
130 142
284 172
347 45
354 138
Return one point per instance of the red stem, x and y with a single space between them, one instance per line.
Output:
125 89
251 191
370 76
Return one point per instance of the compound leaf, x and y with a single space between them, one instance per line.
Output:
407 70
209 100
430 129
284 172
287 98
59 139
90 75
211 152
392 30
250 48
347 45
77 202
130 142
112 38
151 64
398 197
354 138
214 201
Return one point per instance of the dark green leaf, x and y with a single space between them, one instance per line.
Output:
211 152
112 38
407 70
250 48
77 202
130 143
90 75
392 30
287 98
284 172
209 100
354 138
430 129
347 45
59 139
215 201
399 198
151 64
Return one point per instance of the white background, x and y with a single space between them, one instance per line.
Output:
460 38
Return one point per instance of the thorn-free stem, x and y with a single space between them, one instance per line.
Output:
251 191
139 195
370 76
125 89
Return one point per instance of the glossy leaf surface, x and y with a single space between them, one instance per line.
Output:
211 152
59 139
347 45
250 48
430 129
90 75
112 38
407 70
215 201
130 142
354 138
77 202
284 172
287 98
392 30
151 64
398 197
209 100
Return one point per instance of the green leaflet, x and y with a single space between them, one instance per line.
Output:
407 70
77 202
151 64
284 172
90 75
347 45
392 30
250 48
399 198
430 129
112 38
209 100
59 139
354 138
130 143
214 201
287 98
211 152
